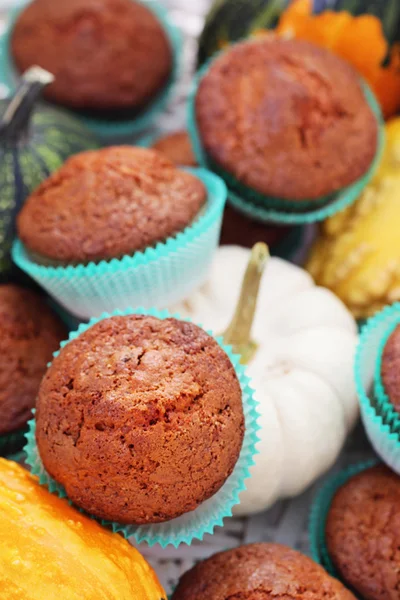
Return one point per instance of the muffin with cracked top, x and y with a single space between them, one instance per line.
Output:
259 572
363 533
285 119
120 227
107 203
140 419
113 56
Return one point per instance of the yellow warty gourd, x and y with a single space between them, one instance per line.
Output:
357 253
49 550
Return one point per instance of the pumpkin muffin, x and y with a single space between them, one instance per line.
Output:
110 55
107 203
363 533
285 118
140 419
29 334
390 368
259 572
177 147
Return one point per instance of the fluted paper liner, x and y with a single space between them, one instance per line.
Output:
270 209
378 414
211 513
158 276
320 509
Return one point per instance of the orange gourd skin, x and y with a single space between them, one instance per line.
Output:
48 550
359 40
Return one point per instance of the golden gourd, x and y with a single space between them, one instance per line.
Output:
49 550
357 253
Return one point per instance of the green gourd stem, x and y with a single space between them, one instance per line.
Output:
238 333
16 118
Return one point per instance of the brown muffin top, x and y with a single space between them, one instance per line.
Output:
363 533
105 54
105 203
140 419
29 334
390 368
177 147
286 118
259 572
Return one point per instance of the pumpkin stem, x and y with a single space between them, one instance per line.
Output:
238 333
15 120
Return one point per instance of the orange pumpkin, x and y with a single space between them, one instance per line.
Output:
50 550
360 40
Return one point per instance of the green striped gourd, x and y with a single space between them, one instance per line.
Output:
35 139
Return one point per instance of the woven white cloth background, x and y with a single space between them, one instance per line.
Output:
287 521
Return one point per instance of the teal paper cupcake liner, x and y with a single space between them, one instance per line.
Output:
320 509
391 318
377 413
103 128
212 512
159 276
10 443
269 209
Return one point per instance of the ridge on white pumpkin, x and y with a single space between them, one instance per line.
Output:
302 371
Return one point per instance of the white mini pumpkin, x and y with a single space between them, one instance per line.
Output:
302 370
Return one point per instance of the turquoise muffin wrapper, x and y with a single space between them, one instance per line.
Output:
159 276
377 414
10 443
212 512
269 209
103 128
384 405
320 509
